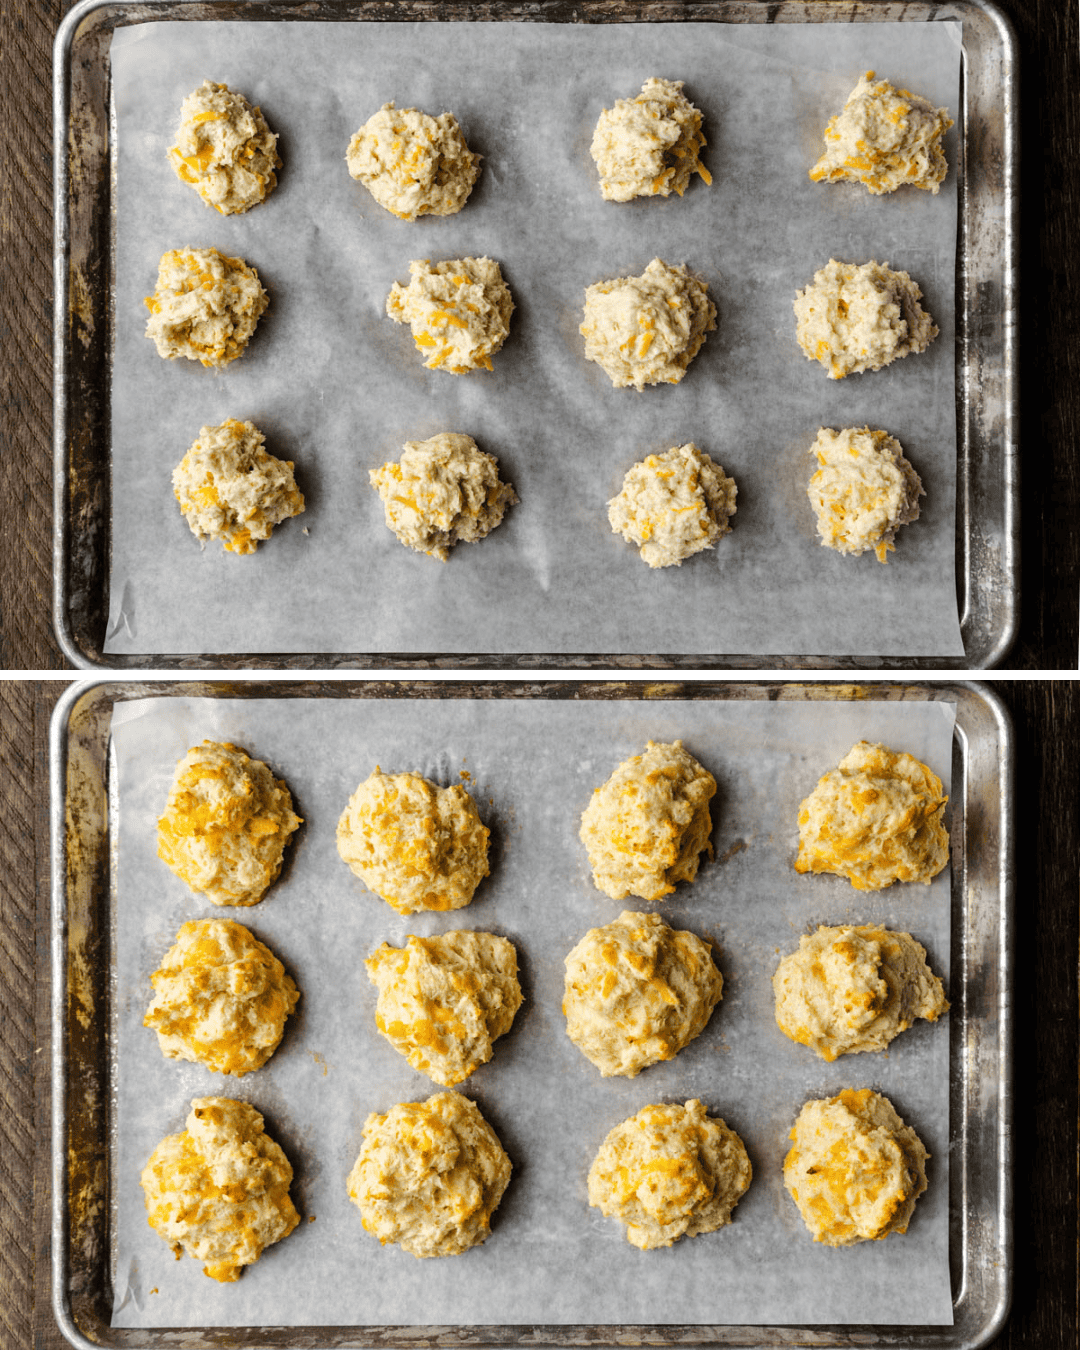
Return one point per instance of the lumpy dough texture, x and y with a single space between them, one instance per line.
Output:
430 1175
226 824
850 989
230 489
413 164
854 318
224 149
650 145
205 306
637 992
647 826
221 998
220 1190
442 492
459 312
647 329
863 491
673 505
669 1172
444 1000
417 845
854 1169
885 137
875 819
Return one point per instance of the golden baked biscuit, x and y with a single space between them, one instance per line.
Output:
226 824
224 149
852 989
885 138
647 826
637 992
413 164
875 819
854 1169
221 998
430 1175
669 1172
444 1000
415 844
220 1190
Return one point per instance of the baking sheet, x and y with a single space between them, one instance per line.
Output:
550 1259
338 388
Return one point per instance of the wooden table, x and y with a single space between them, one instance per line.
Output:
1047 725
1050 334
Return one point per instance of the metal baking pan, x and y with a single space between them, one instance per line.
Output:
987 531
84 1017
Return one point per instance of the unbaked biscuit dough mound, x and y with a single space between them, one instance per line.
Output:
230 489
442 492
858 317
669 1172
647 826
673 505
637 992
205 306
224 149
855 1169
459 312
221 998
444 1000
885 137
220 1190
875 819
647 329
430 1175
863 491
413 164
417 845
226 824
649 145
851 989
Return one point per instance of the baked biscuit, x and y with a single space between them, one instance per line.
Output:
444 1000
225 150
851 989
226 824
412 164
650 145
230 489
221 998
646 827
669 1172
205 306
875 819
430 1175
220 1190
885 137
637 992
858 317
673 505
459 312
417 845
647 329
854 1169
863 491
442 492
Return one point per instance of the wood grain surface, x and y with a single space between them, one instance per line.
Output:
1049 334
1046 716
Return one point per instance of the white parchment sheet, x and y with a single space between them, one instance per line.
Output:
531 766
338 388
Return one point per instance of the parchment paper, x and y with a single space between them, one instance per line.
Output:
338 388
531 767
